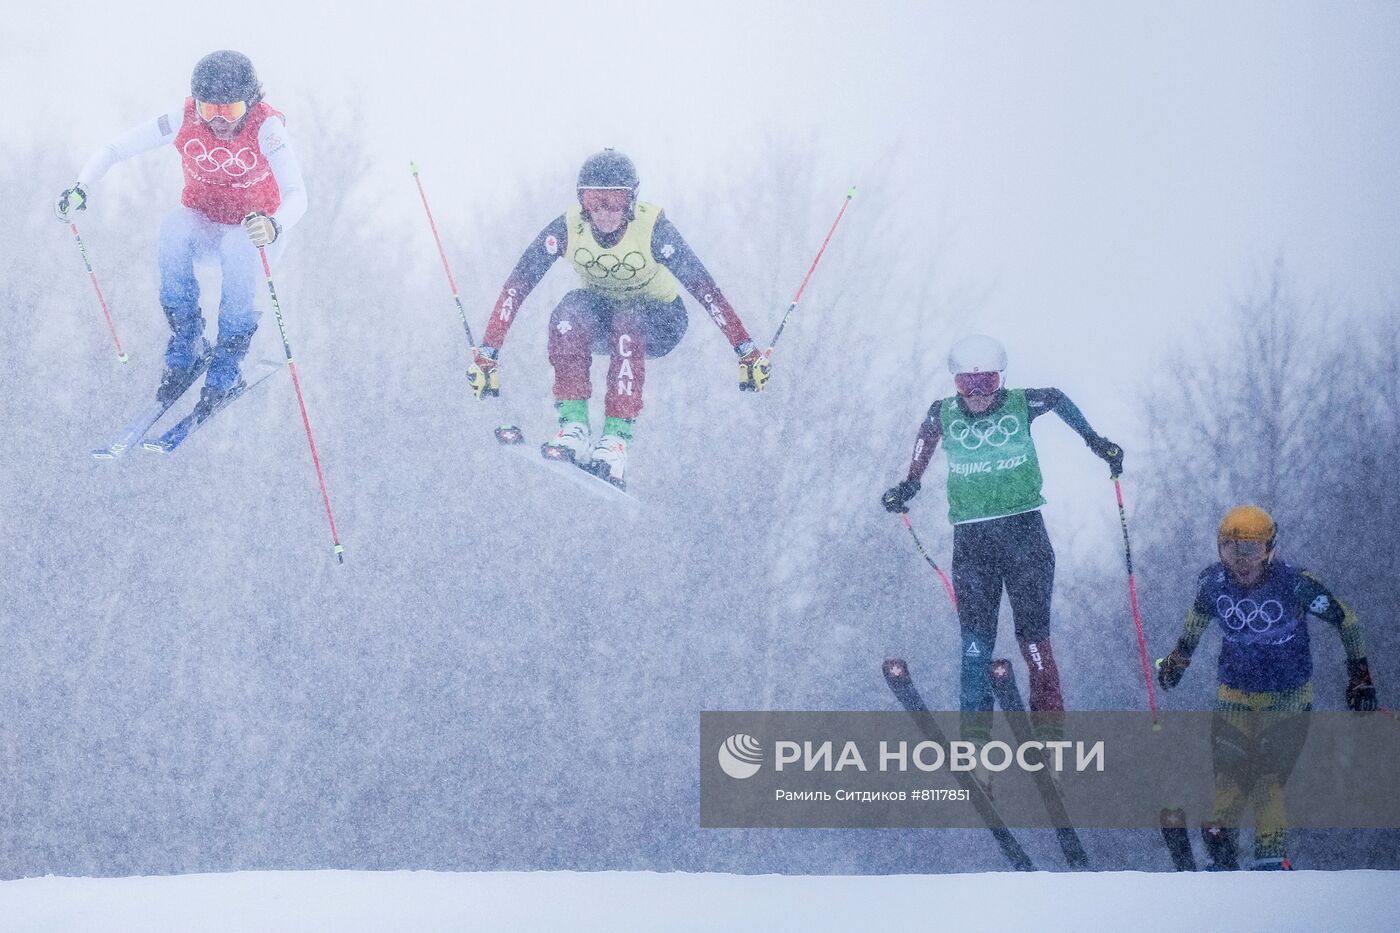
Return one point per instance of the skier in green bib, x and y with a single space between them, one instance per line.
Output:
994 500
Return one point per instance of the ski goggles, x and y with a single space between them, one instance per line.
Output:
977 383
231 112
605 199
1246 549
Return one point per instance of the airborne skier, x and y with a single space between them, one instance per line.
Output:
1265 666
999 538
243 190
631 261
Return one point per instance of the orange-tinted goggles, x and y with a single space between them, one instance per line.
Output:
606 199
231 112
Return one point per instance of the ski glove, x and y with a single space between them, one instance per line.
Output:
262 229
72 200
482 375
897 498
1110 452
1171 668
754 370
1361 693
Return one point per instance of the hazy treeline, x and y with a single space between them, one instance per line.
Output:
507 675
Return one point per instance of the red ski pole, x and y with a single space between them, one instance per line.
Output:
1137 613
301 402
947 586
768 354
451 282
101 299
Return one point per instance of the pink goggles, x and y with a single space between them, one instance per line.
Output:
977 383
605 199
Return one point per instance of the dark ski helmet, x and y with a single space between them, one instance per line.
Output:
608 169
224 77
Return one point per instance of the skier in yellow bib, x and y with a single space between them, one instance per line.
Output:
631 262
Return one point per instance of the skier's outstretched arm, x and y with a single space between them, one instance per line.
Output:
672 251
1171 668
141 138
896 499
482 375
1042 400
1361 692
528 271
276 144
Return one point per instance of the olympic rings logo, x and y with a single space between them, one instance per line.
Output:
1239 614
221 159
985 431
608 266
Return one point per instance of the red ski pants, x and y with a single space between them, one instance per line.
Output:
629 332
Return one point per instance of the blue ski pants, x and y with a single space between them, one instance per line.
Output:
186 237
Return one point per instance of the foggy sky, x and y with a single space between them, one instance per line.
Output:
1101 177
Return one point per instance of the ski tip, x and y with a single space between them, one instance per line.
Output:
895 669
156 447
106 453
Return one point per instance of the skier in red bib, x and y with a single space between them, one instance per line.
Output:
243 190
631 261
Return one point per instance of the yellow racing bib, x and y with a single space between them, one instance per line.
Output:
627 269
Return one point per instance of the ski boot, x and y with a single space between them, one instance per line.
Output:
610 460
1271 864
1222 845
211 399
177 379
570 445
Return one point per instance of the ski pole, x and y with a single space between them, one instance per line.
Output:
768 354
301 402
452 283
947 586
101 299
1137 613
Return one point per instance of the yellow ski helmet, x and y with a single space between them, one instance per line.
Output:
1248 523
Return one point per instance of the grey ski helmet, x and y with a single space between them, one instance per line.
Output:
224 77
977 354
608 169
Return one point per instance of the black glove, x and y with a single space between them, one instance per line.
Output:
1110 452
1361 693
897 498
1171 668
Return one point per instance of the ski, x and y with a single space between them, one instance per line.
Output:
1008 697
1178 840
512 439
896 672
136 430
180 431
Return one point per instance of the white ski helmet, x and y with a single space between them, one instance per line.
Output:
977 354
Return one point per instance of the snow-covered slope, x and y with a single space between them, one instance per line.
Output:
424 902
